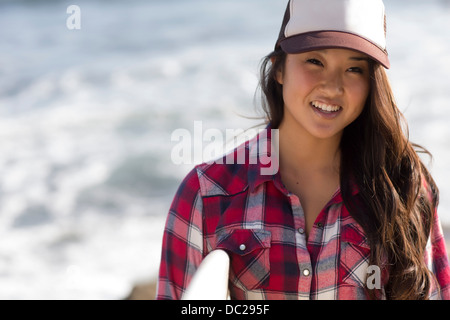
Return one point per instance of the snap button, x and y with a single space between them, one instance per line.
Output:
301 230
242 247
320 225
306 272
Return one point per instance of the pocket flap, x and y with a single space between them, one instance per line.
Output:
243 241
355 235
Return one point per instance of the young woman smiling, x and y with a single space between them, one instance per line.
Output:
351 196
324 91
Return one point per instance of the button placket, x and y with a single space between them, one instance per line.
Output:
303 257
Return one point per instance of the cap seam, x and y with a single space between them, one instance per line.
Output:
337 31
291 12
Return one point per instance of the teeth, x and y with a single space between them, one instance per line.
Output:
325 107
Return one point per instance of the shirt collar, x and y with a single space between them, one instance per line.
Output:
264 163
263 157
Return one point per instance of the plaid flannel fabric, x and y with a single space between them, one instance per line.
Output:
229 205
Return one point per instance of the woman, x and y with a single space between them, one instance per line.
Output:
351 212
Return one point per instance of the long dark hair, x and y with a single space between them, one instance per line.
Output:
392 206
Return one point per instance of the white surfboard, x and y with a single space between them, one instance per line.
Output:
210 281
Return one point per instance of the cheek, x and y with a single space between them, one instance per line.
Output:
360 94
296 85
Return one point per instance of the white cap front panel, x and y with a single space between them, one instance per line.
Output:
365 18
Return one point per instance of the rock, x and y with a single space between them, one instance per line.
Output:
143 291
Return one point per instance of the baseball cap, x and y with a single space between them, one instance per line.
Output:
320 24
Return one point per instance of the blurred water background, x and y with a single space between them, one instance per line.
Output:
86 118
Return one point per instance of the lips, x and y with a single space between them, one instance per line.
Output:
325 107
325 110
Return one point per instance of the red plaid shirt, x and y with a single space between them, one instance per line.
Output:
226 205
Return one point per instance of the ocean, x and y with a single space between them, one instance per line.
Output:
87 113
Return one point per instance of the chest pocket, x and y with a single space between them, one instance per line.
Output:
354 256
249 255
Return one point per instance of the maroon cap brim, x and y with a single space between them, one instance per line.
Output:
319 40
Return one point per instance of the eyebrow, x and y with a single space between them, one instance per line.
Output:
359 59
325 51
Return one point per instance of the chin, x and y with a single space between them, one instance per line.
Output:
325 134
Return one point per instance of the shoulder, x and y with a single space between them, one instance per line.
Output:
226 175
249 164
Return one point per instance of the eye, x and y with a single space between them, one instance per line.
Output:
356 70
314 61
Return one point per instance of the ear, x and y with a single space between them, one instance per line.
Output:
279 72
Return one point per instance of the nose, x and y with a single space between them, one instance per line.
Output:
333 83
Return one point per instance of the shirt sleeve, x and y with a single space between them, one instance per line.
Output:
182 245
438 260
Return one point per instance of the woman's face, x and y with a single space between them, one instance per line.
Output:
324 91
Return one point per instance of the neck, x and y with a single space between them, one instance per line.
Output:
301 152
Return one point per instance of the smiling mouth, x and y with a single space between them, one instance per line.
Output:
326 108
